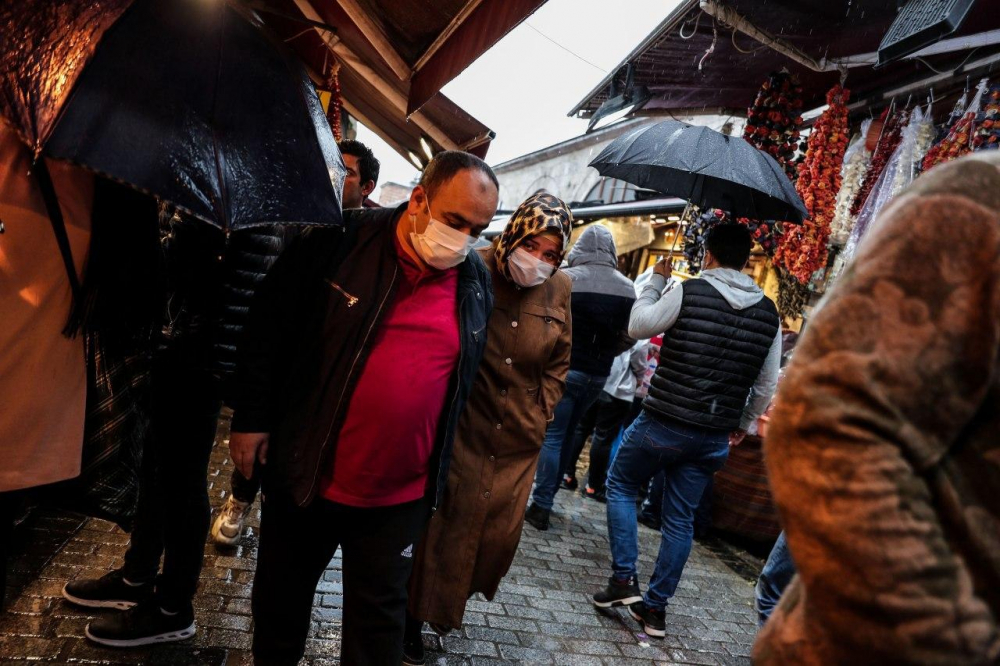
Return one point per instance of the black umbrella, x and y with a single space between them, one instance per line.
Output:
182 99
709 169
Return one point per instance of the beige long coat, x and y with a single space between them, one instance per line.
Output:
472 538
884 446
42 373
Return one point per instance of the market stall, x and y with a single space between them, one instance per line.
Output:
853 102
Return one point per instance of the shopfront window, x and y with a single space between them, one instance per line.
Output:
612 190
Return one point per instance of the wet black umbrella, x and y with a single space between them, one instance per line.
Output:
709 169
182 99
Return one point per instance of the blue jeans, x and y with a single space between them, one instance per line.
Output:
581 391
777 574
688 456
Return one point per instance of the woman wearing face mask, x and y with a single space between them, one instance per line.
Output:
472 538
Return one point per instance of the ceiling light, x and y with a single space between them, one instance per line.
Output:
428 151
416 160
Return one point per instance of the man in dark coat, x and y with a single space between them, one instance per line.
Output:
358 357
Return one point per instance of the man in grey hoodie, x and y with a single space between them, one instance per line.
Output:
718 369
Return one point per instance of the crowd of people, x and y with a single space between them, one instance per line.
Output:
412 396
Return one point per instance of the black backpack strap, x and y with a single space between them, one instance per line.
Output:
58 224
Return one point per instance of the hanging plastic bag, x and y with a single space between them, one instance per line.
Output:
898 173
959 139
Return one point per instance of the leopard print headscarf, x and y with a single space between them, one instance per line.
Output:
539 213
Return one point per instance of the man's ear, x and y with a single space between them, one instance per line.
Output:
368 188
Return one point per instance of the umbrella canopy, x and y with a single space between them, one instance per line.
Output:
182 99
709 169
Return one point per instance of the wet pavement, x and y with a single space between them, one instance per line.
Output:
541 614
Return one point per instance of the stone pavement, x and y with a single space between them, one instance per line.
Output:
542 613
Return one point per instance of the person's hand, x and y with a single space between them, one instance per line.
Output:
664 267
736 437
245 447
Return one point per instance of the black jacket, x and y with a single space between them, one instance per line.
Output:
250 254
710 358
601 304
309 333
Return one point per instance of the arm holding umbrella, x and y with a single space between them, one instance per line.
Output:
655 312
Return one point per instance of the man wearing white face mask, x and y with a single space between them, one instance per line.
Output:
356 362
471 540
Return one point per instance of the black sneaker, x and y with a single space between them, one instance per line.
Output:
653 622
108 591
413 652
618 593
145 624
537 517
590 493
649 522
569 482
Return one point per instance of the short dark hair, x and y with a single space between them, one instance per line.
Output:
730 243
447 164
368 165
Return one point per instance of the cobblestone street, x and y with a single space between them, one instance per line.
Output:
542 613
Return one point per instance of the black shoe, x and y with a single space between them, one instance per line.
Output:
144 624
413 652
649 522
653 622
108 591
590 493
618 593
569 482
537 517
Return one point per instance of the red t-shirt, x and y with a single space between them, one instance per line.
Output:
386 442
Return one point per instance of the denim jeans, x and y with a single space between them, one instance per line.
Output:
777 574
688 456
581 391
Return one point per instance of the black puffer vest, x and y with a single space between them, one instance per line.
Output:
710 358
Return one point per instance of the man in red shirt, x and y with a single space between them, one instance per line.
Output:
355 364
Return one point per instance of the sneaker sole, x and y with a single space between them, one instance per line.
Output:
650 631
166 637
410 661
221 539
118 604
617 602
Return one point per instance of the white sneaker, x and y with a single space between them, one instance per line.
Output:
228 527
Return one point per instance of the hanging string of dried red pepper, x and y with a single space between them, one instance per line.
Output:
802 249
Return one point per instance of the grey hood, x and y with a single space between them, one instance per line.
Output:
596 245
736 287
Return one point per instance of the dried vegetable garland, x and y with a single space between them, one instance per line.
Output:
774 119
333 110
856 161
772 126
695 235
887 143
802 249
987 135
793 296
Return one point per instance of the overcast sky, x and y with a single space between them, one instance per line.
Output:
525 85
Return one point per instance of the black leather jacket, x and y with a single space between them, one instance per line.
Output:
309 333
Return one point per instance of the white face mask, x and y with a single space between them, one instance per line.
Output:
527 270
441 246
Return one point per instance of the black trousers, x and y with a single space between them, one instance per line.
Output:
242 488
611 415
583 430
296 546
172 518
9 502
